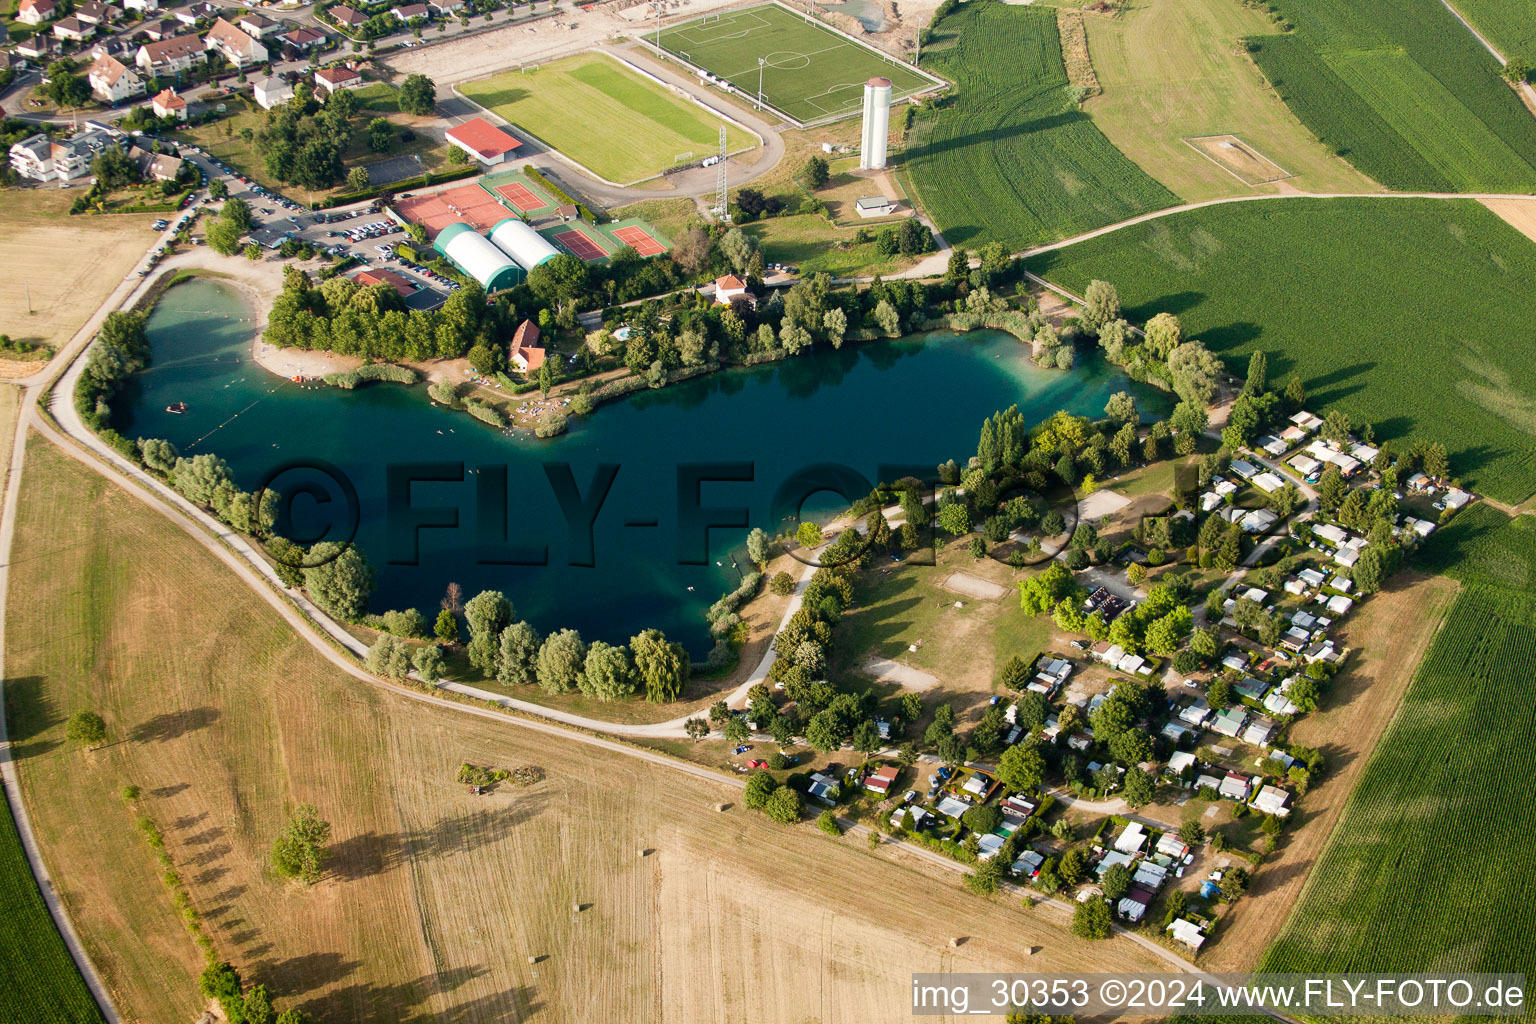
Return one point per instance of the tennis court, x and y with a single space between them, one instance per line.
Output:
469 203
640 240
520 196
578 244
808 71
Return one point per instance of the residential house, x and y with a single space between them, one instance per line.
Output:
1109 860
35 12
731 287
238 47
256 26
167 104
1455 499
525 353
112 81
95 13
1246 470
1253 689
1235 786
271 92
1277 703
328 80
168 56
73 30
1196 713
346 17
1188 933
1149 875
1258 732
407 12
142 6
1134 906
1177 762
1330 533
159 166
1230 722
1132 839
37 49
1171 846
446 7
1260 519
1306 465
882 780
1029 863
1173 732
1210 782
165 28
305 39
1306 421
109 46
822 787
919 817
989 846
1271 800
1268 482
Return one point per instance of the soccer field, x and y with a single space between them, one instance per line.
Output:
809 72
605 117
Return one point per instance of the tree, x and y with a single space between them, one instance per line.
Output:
1140 787
1121 408
1331 488
663 667
562 657
827 822
607 674
1021 768
340 581
220 981
258 1006
1295 392
1517 70
1116 881
1103 305
357 179
955 519
238 212
783 806
782 584
808 534
85 728
1258 375
982 818
1234 882
389 656
300 849
1219 694
223 236
487 614
760 786
428 662
1192 833
816 173
696 728
758 546
418 95
217 189
446 629
1164 333
1091 920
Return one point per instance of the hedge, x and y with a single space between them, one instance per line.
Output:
431 178
565 198
370 372
485 412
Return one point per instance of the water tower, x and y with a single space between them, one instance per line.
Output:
877 123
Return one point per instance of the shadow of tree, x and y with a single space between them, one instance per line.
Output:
173 725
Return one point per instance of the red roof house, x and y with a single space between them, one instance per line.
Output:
882 780
386 276
525 352
482 140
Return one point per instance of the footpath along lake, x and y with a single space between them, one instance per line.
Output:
919 400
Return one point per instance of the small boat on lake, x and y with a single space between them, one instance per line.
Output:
177 407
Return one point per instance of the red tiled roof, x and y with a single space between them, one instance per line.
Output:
729 283
482 137
386 276
168 100
337 76
525 341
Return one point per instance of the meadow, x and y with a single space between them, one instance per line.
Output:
1010 156
629 127
1409 314
811 72
1405 884
1507 24
435 899
1403 91
1165 82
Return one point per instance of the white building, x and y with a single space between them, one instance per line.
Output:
167 104
236 46
328 80
271 92
168 56
42 159
877 124
112 81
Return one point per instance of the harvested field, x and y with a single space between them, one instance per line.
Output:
435 899
883 669
1099 504
1074 51
63 266
1519 214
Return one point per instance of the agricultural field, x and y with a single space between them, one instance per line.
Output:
1010 157
1404 884
810 72
1404 92
1432 349
1507 24
630 128
60 267
1169 75
435 899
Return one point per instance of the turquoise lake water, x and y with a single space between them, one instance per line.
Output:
919 401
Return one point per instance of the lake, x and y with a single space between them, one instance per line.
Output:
916 401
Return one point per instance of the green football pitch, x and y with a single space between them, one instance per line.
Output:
809 72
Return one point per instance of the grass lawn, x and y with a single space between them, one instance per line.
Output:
628 128
812 72
808 242
69 265
1169 72
1403 91
434 899
1507 24
1411 314
1011 157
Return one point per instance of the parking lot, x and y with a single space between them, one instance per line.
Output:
357 231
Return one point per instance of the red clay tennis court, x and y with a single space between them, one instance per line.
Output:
469 203
640 240
520 196
580 246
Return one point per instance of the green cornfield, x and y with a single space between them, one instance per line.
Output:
1403 91
1411 314
38 980
1508 24
1429 867
1009 156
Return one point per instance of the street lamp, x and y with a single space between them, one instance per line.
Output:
760 62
